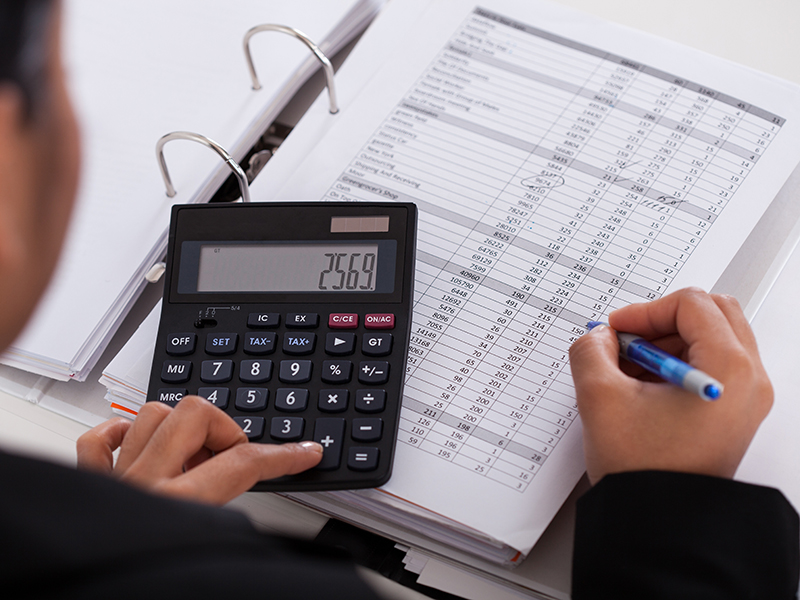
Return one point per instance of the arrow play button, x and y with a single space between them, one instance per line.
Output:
340 344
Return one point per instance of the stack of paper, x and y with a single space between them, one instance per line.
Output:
136 71
563 167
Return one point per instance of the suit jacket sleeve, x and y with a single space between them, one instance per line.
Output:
72 534
675 535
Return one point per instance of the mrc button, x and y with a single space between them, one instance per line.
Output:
171 396
181 344
379 321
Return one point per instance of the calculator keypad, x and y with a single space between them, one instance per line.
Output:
290 376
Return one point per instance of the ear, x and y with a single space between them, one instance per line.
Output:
16 176
17 197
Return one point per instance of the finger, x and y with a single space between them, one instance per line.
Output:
733 312
594 362
193 424
200 457
95 448
690 312
150 416
236 470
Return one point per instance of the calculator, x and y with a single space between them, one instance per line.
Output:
293 318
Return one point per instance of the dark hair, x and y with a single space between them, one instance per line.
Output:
23 25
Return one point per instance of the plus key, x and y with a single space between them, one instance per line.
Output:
330 433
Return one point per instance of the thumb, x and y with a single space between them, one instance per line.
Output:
235 470
594 362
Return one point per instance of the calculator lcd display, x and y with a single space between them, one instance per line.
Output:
288 267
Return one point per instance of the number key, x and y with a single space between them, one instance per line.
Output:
255 371
295 371
252 426
216 371
218 396
287 429
291 399
251 399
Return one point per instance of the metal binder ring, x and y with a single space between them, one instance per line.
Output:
196 137
326 64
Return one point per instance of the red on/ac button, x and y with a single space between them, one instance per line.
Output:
379 321
343 320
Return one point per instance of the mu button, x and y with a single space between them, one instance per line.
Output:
176 371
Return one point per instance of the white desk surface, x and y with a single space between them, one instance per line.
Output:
762 35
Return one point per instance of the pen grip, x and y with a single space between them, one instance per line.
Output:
652 358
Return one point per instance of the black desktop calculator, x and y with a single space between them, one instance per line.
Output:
294 318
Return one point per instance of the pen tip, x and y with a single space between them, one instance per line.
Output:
712 392
592 324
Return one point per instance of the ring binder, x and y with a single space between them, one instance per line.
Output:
196 137
326 64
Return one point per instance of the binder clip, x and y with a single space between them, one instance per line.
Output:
196 137
326 64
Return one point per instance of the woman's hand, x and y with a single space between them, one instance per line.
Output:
194 451
634 421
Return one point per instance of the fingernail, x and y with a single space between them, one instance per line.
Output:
312 446
596 326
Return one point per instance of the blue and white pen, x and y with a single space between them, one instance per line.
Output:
671 369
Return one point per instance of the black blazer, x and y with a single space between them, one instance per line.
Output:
71 534
653 535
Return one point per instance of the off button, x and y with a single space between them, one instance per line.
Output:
343 320
181 344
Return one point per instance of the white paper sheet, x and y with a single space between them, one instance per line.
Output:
440 123
136 71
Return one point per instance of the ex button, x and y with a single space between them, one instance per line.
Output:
302 320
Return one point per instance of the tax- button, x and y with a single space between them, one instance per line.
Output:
343 320
181 344
221 343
